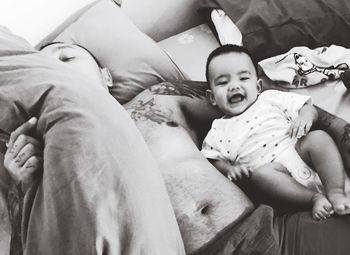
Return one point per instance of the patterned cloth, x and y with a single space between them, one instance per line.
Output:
301 67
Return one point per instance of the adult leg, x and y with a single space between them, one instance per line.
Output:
298 234
320 151
274 181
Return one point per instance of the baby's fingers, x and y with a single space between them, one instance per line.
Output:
293 130
233 176
246 171
301 131
304 128
308 127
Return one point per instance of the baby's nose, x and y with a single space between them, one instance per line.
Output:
234 87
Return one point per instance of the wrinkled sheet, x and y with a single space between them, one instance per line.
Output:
265 232
101 192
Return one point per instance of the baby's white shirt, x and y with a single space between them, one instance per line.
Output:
257 135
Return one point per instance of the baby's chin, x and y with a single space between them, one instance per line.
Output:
234 109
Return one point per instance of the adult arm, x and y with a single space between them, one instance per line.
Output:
339 129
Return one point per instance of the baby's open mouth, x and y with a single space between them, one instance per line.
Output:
236 98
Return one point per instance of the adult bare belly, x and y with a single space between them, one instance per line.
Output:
204 201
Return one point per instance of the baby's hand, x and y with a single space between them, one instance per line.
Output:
300 127
238 171
23 157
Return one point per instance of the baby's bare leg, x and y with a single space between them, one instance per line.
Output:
320 151
274 181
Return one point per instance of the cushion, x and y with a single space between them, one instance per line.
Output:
34 25
189 50
134 59
271 27
100 190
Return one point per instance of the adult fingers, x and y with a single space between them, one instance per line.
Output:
22 129
30 169
25 153
21 141
315 216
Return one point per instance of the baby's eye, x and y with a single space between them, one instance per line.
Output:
66 59
244 78
220 83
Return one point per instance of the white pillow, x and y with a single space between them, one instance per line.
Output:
34 19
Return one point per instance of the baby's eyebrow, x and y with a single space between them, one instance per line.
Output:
244 72
221 76
65 46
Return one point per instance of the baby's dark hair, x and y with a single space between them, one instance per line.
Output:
224 49
50 43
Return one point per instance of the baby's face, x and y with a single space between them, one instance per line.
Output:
78 59
233 82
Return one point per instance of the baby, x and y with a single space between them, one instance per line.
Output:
265 136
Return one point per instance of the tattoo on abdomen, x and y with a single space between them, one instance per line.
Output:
196 89
142 111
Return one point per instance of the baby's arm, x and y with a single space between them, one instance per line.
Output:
23 157
302 124
232 172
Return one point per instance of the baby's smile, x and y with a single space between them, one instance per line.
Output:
235 98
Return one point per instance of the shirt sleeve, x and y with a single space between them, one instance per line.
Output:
289 102
210 149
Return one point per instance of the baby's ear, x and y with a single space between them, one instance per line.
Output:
259 85
210 96
107 77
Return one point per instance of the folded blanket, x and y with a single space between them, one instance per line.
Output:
301 67
101 191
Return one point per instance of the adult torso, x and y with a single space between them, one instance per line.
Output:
203 200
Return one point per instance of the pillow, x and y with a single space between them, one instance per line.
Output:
134 59
271 27
27 18
190 49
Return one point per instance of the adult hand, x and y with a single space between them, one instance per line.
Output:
23 157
